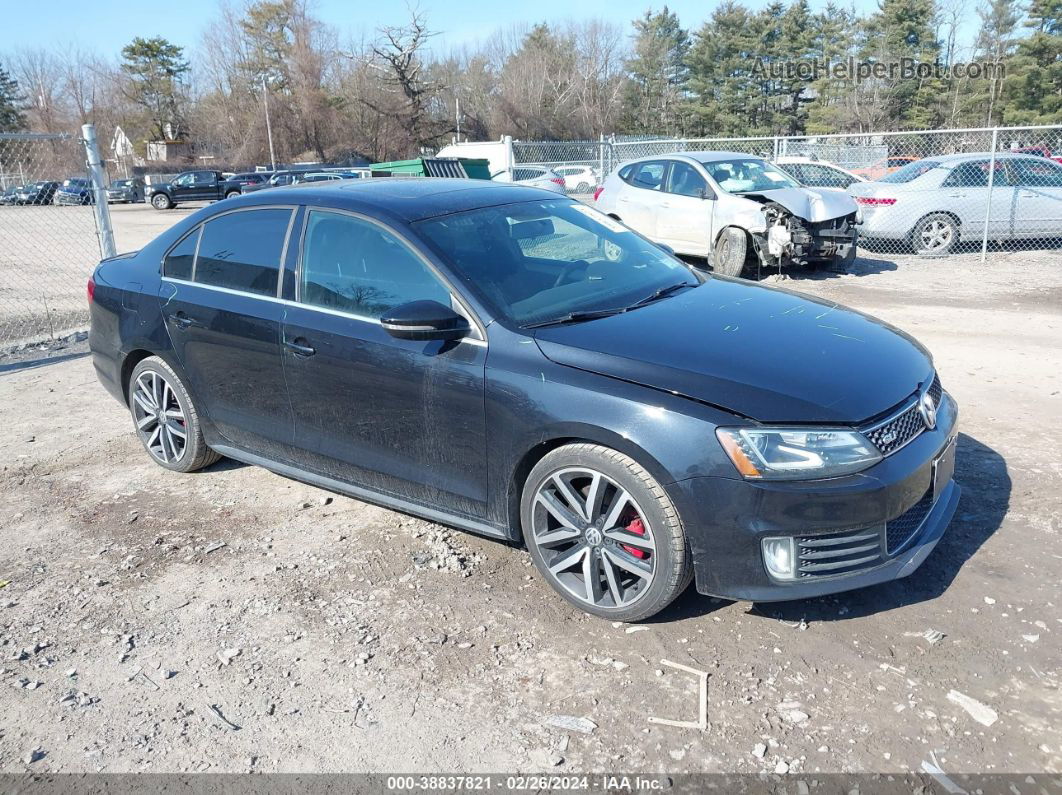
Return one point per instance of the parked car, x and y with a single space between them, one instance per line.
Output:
535 177
192 186
642 424
250 181
300 177
813 173
734 209
883 167
578 179
37 193
128 191
933 204
10 195
1042 151
76 190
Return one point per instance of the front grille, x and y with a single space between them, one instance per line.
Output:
838 553
894 433
899 531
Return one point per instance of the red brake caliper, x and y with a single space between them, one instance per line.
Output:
637 527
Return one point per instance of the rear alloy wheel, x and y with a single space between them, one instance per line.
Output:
730 251
160 201
165 418
935 234
603 533
582 187
232 194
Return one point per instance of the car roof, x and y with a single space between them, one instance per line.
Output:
407 198
954 159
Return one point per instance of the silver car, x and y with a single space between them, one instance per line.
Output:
935 203
735 209
534 177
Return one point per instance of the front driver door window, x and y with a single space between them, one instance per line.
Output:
685 218
370 409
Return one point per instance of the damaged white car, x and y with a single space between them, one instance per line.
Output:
737 211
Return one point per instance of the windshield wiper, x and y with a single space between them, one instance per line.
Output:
658 294
577 317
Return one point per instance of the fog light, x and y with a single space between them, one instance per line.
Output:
779 556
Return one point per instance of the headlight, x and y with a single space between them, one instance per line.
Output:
796 453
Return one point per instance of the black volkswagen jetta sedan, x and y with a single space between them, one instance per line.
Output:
510 362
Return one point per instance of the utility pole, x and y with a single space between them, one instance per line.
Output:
457 113
269 125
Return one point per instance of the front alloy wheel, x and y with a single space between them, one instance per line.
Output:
937 234
603 533
595 540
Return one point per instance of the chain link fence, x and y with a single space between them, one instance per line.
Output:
933 193
49 239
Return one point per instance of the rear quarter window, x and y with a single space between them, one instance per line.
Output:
242 250
911 171
178 263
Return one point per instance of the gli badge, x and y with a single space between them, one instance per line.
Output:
928 408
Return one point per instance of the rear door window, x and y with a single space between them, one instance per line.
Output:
243 250
649 175
1036 173
974 174
178 263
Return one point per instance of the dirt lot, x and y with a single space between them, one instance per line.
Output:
233 620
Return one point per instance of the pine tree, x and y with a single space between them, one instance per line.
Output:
995 45
657 74
155 69
11 117
1032 90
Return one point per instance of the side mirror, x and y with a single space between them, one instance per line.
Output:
425 320
707 193
665 247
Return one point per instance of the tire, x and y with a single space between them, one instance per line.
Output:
582 187
935 235
232 194
154 388
730 250
640 512
160 201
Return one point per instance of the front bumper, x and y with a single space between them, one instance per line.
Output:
726 519
68 199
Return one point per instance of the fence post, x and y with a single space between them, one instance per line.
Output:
99 191
601 158
508 139
991 181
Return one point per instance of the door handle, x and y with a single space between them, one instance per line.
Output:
956 195
181 320
297 347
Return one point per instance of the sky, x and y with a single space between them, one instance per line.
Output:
105 26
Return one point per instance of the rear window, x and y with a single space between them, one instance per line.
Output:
911 171
242 250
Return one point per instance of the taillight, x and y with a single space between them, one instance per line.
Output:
557 181
91 289
873 201
597 192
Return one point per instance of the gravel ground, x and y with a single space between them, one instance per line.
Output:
233 620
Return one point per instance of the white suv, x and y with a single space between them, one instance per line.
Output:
578 179
734 209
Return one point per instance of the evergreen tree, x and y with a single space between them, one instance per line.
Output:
1032 90
155 69
657 74
724 90
11 117
995 45
833 40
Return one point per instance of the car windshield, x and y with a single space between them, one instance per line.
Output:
544 261
748 174
121 183
910 171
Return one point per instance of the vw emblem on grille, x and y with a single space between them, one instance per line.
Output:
928 409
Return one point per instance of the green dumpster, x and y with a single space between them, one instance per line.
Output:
463 167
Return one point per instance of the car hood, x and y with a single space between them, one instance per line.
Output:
807 203
761 352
